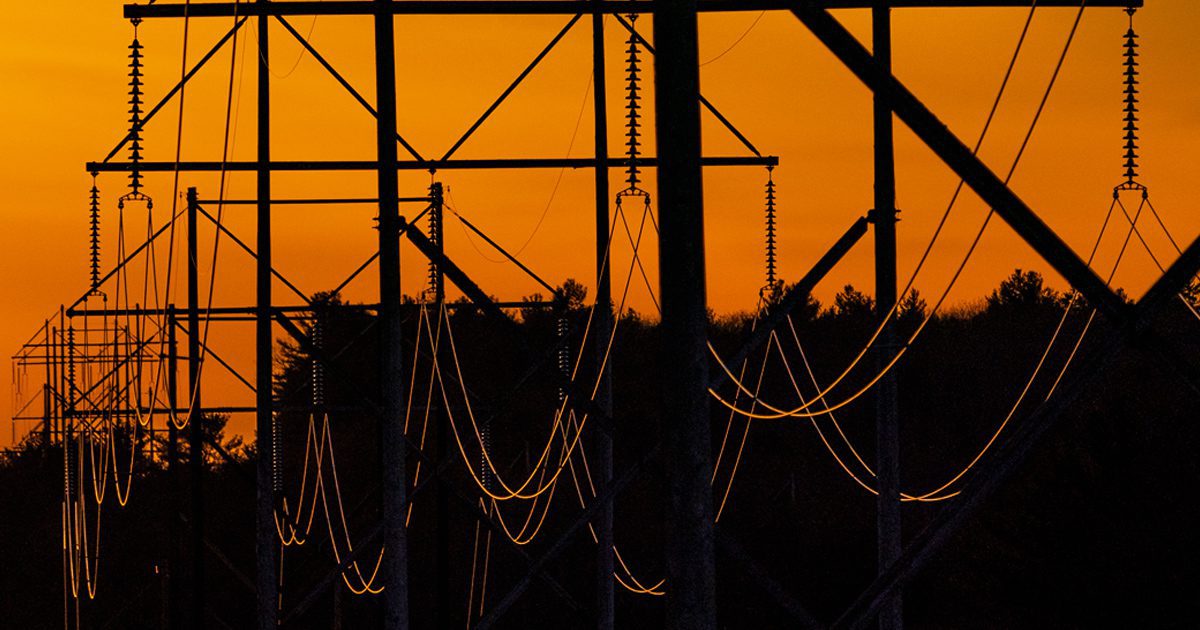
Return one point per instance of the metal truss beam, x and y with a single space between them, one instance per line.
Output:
962 161
996 469
176 89
605 494
644 43
1173 280
729 545
795 296
552 7
578 399
409 165
985 480
298 312
439 468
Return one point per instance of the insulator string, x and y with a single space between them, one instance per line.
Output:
1131 156
772 279
136 113
436 234
94 234
563 329
318 362
633 106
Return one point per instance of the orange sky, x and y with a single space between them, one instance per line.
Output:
65 104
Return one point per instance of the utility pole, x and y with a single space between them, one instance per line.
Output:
391 363
195 418
437 280
605 608
691 570
47 417
173 582
267 583
887 415
53 377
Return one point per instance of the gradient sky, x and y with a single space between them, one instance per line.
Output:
64 65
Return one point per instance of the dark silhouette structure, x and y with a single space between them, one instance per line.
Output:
682 450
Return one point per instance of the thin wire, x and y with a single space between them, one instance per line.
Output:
953 199
212 279
543 459
935 495
561 171
800 411
1146 201
471 589
736 41
553 191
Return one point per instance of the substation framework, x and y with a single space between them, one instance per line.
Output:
693 539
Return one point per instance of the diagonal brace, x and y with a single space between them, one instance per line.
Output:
439 469
796 295
246 248
602 498
345 84
996 469
175 90
732 548
513 86
578 399
703 101
962 161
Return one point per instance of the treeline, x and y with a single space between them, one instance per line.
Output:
1096 530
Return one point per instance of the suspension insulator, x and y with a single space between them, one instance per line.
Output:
70 385
485 471
562 329
94 234
276 457
1131 156
135 113
770 236
633 106
318 362
435 236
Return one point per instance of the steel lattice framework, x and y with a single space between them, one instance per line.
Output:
679 162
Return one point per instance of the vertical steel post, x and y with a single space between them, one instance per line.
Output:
173 581
337 605
391 364
195 418
266 566
47 388
71 448
46 419
605 609
53 371
437 218
437 279
691 570
887 421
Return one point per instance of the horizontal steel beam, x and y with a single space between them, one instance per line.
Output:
182 312
309 202
549 7
408 165
290 310
96 413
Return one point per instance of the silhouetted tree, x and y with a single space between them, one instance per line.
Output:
851 302
1096 530
1022 288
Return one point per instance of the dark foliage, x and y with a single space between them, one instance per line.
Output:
1096 530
